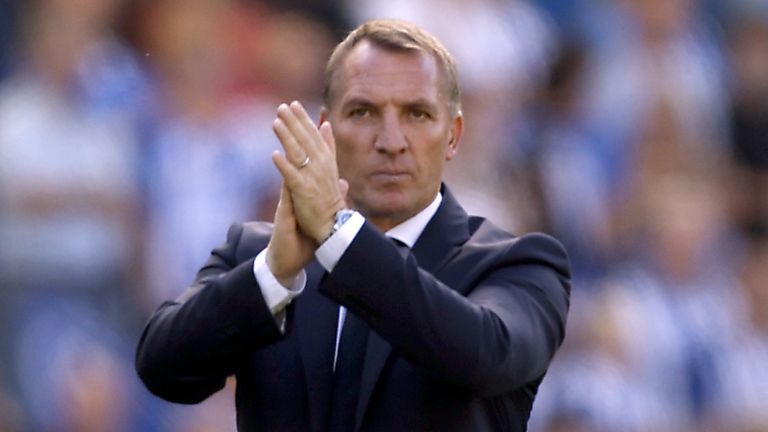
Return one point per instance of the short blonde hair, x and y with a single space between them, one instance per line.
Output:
396 35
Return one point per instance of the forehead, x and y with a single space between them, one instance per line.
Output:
382 74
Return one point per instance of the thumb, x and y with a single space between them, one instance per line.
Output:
344 189
285 204
326 131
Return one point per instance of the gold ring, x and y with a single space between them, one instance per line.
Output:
304 163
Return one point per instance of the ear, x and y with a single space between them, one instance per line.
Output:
454 136
323 117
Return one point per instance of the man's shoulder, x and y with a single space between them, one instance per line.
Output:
483 230
240 232
256 228
249 238
486 234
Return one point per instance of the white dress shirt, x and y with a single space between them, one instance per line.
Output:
328 254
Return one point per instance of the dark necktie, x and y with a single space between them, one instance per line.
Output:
346 377
349 369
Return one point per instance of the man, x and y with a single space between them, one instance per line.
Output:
399 313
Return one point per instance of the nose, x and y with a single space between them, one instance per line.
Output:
390 138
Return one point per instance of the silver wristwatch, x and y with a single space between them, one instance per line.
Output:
342 216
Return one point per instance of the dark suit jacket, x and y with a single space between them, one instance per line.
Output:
464 327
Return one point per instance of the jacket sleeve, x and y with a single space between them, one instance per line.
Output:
190 346
493 330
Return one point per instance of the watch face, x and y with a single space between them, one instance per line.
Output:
343 216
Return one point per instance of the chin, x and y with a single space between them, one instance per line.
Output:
384 205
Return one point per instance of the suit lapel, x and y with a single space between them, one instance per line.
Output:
315 320
443 236
441 240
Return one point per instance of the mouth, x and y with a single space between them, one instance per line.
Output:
389 176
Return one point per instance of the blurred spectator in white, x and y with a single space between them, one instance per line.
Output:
644 51
662 329
67 151
220 68
200 164
504 48
664 47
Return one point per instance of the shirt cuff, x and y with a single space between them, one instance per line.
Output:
329 253
275 294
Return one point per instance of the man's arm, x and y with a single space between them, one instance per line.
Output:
191 345
496 328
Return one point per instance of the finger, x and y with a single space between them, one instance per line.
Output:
291 177
344 190
293 150
326 131
285 194
304 138
285 205
305 121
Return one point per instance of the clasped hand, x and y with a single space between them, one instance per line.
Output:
311 194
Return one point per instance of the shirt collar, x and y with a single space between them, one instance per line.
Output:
409 230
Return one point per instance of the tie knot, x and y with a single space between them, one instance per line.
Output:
400 244
401 247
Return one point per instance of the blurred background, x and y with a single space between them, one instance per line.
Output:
133 132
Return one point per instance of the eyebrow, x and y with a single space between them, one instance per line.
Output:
422 104
357 101
417 103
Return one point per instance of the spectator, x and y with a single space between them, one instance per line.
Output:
206 160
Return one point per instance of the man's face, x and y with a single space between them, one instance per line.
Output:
394 130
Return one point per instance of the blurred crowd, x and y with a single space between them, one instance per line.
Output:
133 132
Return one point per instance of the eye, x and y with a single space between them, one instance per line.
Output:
360 112
419 114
